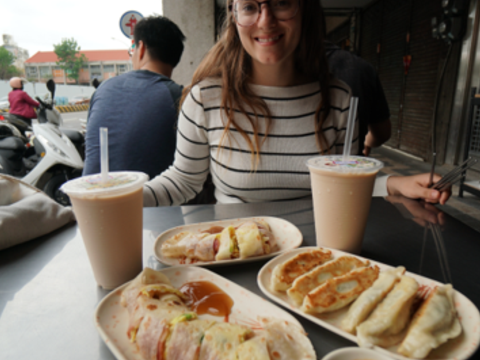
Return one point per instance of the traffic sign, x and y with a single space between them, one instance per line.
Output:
128 22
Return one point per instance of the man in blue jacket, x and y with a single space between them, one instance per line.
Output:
139 108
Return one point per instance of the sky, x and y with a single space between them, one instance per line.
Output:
36 25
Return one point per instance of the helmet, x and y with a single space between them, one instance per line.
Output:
16 83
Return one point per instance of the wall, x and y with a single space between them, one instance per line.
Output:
39 89
196 20
391 30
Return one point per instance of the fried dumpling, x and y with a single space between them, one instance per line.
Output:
369 299
314 278
433 324
287 341
186 338
285 273
221 341
387 324
340 291
254 349
228 248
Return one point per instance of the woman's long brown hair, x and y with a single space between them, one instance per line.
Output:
229 61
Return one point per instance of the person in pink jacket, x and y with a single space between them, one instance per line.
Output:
21 104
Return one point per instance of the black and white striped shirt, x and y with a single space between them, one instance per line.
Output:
281 174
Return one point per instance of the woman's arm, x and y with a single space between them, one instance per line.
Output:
29 100
184 179
416 187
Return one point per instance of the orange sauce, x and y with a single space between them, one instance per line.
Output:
205 297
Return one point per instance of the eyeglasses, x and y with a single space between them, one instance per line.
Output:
247 12
131 50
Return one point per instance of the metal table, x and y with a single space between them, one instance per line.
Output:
48 294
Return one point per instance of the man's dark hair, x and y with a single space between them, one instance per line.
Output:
162 38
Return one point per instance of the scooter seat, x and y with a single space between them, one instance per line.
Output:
74 136
12 143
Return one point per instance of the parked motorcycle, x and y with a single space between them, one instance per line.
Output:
55 158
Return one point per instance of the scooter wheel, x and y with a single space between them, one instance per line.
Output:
52 189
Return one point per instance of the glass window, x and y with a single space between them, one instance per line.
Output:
45 71
31 71
108 68
122 69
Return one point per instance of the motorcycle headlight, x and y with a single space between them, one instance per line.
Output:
52 146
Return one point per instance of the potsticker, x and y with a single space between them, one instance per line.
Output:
340 291
434 323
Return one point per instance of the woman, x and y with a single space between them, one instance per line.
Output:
21 105
261 103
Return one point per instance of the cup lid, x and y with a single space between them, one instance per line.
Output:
353 164
118 182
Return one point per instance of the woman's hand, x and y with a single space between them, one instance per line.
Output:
416 187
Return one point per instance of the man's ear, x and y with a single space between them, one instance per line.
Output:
141 49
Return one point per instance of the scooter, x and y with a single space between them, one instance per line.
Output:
55 159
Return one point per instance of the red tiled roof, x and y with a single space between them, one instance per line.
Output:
91 55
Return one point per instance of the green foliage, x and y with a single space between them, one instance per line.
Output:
70 59
7 70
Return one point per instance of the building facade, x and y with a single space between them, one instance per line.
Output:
101 64
21 55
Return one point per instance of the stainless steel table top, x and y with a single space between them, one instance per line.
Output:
48 294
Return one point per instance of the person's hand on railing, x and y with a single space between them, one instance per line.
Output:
416 187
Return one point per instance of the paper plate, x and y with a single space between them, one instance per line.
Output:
459 348
111 318
288 238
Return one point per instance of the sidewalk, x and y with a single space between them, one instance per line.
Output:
466 209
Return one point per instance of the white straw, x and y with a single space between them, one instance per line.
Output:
352 114
104 153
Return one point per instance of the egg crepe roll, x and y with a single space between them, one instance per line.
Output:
206 248
287 341
369 299
185 339
221 341
132 291
156 298
254 349
285 273
314 278
270 242
434 323
250 241
228 248
182 244
386 325
340 291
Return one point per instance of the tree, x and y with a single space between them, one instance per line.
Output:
69 58
7 69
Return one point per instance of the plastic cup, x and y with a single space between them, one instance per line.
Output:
342 193
110 217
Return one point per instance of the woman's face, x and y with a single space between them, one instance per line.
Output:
270 41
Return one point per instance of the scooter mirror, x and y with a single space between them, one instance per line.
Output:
51 87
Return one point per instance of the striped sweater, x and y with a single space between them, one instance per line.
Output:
281 173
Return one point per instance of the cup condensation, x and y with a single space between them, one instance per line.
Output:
110 217
342 193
